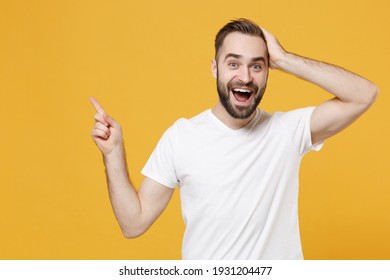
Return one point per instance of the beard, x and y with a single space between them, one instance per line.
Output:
239 112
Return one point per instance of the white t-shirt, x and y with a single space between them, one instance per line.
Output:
238 188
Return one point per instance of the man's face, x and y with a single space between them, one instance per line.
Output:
241 70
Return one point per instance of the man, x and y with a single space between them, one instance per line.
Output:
236 165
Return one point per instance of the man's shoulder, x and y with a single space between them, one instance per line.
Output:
284 119
201 118
295 113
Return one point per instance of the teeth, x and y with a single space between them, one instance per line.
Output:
242 90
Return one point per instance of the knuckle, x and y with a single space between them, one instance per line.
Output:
98 117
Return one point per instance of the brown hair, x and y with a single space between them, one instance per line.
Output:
242 25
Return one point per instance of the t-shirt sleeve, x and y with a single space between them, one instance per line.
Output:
160 166
297 124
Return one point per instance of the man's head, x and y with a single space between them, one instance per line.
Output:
241 67
242 25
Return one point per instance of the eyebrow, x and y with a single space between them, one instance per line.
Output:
238 56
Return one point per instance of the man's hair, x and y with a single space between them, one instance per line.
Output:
241 25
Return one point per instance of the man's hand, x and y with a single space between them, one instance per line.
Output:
106 133
275 50
135 212
353 94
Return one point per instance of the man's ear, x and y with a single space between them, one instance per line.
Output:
214 68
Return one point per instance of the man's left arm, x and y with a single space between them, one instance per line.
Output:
353 94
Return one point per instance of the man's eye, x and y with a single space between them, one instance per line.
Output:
233 65
257 67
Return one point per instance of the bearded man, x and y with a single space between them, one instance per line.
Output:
236 165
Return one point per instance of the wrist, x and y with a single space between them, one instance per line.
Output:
283 60
115 155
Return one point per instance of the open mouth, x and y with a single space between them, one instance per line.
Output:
242 95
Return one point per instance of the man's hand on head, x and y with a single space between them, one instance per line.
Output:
275 50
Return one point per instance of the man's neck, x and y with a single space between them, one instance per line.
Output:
220 112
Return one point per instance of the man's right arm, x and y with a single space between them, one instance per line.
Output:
134 211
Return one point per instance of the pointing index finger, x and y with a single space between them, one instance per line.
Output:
97 106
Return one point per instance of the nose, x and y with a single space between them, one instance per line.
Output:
245 75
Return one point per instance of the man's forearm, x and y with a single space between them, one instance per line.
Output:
124 199
345 85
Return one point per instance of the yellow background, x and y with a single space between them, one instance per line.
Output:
148 63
